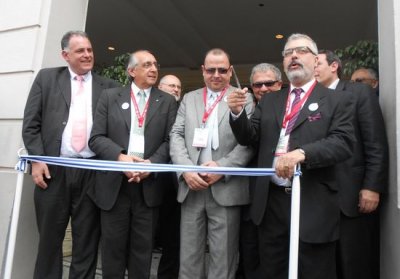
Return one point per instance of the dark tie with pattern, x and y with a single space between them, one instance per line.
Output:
297 92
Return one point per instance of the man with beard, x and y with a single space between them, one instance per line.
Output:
211 203
362 178
307 125
172 85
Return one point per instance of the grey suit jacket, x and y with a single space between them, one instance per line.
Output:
230 190
47 109
110 137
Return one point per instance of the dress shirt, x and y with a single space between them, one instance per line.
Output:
66 145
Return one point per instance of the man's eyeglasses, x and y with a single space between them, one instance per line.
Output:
362 79
173 86
148 65
266 83
299 50
221 71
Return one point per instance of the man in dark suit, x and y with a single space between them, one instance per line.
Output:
60 100
306 125
264 78
131 124
168 231
362 178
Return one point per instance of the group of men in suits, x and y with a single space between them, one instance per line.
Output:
72 112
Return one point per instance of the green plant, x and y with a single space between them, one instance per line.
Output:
363 54
118 70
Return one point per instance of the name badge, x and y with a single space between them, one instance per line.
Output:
136 144
200 138
283 143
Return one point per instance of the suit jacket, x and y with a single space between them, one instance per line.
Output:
325 134
231 190
47 109
368 167
110 137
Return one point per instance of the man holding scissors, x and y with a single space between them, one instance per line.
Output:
211 203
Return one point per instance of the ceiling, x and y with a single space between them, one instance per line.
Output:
180 32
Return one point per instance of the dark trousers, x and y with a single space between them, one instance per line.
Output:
127 234
169 234
65 197
358 247
316 261
249 259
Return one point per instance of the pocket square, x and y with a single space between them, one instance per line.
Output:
315 117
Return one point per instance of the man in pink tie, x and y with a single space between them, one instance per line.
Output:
57 122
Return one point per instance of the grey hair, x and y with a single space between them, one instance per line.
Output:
297 36
132 62
67 37
263 68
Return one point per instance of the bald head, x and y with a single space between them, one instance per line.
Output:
172 85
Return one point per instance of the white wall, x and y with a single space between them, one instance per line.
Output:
30 34
389 68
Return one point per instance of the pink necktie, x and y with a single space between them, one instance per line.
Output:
79 132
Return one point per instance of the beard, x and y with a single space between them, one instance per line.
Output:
300 75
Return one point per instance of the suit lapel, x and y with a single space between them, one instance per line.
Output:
97 87
155 100
316 97
199 106
279 105
64 85
123 99
223 108
341 86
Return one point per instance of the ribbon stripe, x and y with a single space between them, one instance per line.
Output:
127 166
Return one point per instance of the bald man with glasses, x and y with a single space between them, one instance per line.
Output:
210 203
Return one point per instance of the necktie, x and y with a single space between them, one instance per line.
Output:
142 101
214 124
297 92
79 125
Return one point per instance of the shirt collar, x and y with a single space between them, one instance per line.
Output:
305 87
86 76
334 84
136 89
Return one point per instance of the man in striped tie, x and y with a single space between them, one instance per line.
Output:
306 125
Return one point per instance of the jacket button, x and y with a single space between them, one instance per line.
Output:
64 123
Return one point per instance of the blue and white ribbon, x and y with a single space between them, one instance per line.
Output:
141 167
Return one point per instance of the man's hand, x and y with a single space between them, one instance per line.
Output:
237 100
133 176
194 181
144 175
210 178
39 171
368 201
285 164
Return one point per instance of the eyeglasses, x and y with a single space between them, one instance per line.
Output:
148 65
266 83
173 86
362 79
299 50
221 71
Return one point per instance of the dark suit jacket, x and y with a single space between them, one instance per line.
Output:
368 167
326 135
47 109
110 137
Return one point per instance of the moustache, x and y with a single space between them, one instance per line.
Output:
294 63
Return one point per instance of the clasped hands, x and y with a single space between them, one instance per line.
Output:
200 181
134 176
